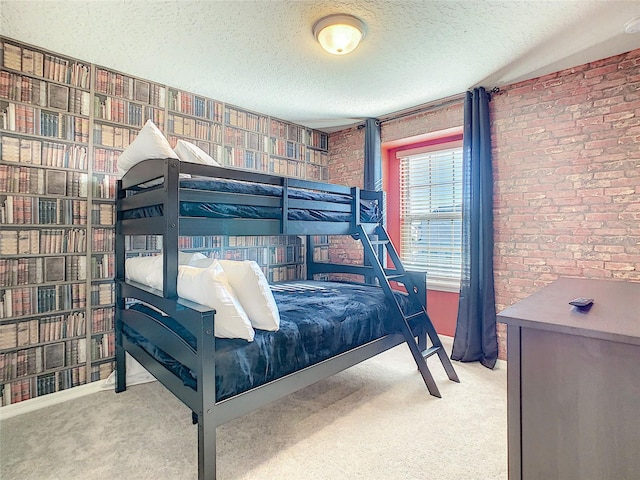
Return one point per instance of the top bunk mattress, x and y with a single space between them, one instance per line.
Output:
318 320
369 210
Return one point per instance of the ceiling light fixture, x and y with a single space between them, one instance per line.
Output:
339 34
632 26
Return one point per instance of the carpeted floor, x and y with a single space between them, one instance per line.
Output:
372 421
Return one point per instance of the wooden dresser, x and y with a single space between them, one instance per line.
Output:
574 382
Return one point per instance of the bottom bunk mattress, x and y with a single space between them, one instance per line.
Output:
317 321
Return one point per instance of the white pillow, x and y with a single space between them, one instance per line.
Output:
252 289
209 286
138 268
188 152
148 269
150 143
202 262
188 258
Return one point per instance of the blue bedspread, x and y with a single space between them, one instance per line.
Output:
318 320
369 211
263 189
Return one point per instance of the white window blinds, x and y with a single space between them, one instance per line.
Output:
431 215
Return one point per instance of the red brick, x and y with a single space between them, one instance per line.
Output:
601 70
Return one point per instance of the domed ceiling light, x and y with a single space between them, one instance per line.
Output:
339 34
632 26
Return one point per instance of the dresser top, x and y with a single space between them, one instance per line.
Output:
614 315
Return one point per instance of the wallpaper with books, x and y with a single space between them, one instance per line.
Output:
63 124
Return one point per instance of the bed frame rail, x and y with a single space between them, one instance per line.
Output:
162 337
198 319
186 394
168 171
257 397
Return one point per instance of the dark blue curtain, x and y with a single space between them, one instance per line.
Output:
373 172
475 338
372 155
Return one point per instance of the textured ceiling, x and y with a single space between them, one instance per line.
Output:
261 55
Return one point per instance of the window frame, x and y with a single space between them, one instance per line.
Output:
451 138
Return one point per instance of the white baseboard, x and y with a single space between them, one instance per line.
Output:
50 399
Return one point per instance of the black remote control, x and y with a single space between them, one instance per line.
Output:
581 302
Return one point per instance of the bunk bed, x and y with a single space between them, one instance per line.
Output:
219 378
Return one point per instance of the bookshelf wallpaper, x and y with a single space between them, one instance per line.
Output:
63 124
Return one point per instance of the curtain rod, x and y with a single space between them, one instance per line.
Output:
422 108
426 107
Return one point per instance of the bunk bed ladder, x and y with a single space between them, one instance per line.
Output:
376 245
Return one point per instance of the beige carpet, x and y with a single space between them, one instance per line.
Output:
372 421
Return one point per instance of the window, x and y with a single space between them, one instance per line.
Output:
430 185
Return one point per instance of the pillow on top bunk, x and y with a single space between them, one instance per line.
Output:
150 143
209 286
188 152
252 289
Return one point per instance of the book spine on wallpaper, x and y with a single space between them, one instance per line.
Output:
290 153
102 346
35 270
246 120
32 210
41 330
317 155
117 110
103 294
284 273
42 241
44 153
24 119
102 370
45 121
14 392
103 186
246 139
102 319
44 298
18 179
102 266
105 160
197 120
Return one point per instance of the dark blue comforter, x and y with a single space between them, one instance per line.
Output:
318 320
369 211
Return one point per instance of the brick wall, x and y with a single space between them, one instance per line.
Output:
566 157
346 167
447 116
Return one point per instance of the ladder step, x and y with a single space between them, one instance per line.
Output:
413 315
396 276
430 351
378 242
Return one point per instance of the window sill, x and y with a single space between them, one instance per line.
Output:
443 286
